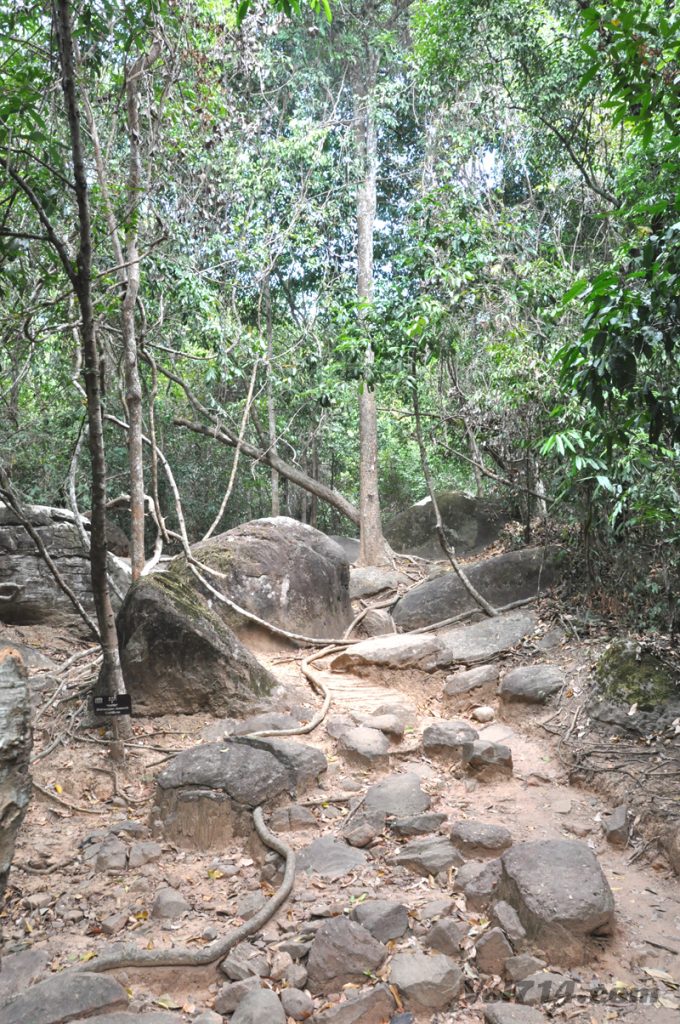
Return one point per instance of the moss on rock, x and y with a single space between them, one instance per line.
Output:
629 675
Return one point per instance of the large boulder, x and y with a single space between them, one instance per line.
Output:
627 674
15 748
204 794
28 591
505 578
282 571
469 524
179 657
561 895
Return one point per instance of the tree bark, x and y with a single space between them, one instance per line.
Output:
271 409
111 678
373 549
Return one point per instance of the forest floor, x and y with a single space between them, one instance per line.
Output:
58 903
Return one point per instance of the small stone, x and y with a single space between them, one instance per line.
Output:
65 997
296 975
616 827
297 1004
481 889
298 950
384 919
207 1017
520 967
363 746
114 923
230 995
292 819
417 824
447 739
446 936
249 905
428 856
478 839
336 725
360 833
493 949
466 873
111 855
263 1005
484 713
544 987
507 918
329 858
488 759
21 970
392 725
38 901
280 963
511 1013
144 853
562 806
462 688
372 1007
169 905
670 842
436 908
531 684
342 952
426 982
244 961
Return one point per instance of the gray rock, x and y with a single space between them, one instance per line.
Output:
16 740
296 976
616 826
446 936
365 747
486 639
65 997
111 855
488 760
350 546
114 923
377 622
336 725
483 714
342 952
473 686
296 949
364 581
481 889
426 982
507 918
263 1005
297 1004
428 856
384 919
560 893
360 832
405 712
248 906
670 842
493 949
202 794
144 853
207 1017
479 839
33 659
417 824
467 873
154 1017
511 1013
396 796
292 819
394 651
268 720
245 961
469 523
447 739
502 579
169 905
531 684
392 725
372 1007
18 971
544 987
521 966
329 858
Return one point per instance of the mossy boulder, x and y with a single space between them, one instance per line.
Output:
470 524
628 675
179 657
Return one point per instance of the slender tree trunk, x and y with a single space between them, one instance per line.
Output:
111 678
271 409
373 550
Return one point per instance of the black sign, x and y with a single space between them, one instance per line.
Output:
119 704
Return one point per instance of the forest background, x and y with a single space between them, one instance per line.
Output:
280 258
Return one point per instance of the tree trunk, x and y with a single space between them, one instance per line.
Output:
271 409
111 677
373 550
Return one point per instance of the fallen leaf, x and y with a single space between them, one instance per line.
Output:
167 1002
89 955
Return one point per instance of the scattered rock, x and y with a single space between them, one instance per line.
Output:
616 827
245 961
110 855
483 713
365 747
384 919
364 581
65 997
467 873
329 858
207 1017
447 739
297 1004
169 905
478 839
544 987
521 966
342 952
259 1006
482 887
144 853
377 622
446 936
493 949
114 923
417 824
531 684
292 819
394 651
507 918
428 856
484 640
502 579
396 796
426 982
230 995
392 725
560 893
372 1007
268 720
488 760
474 686
19 971
336 725
511 1013
249 905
